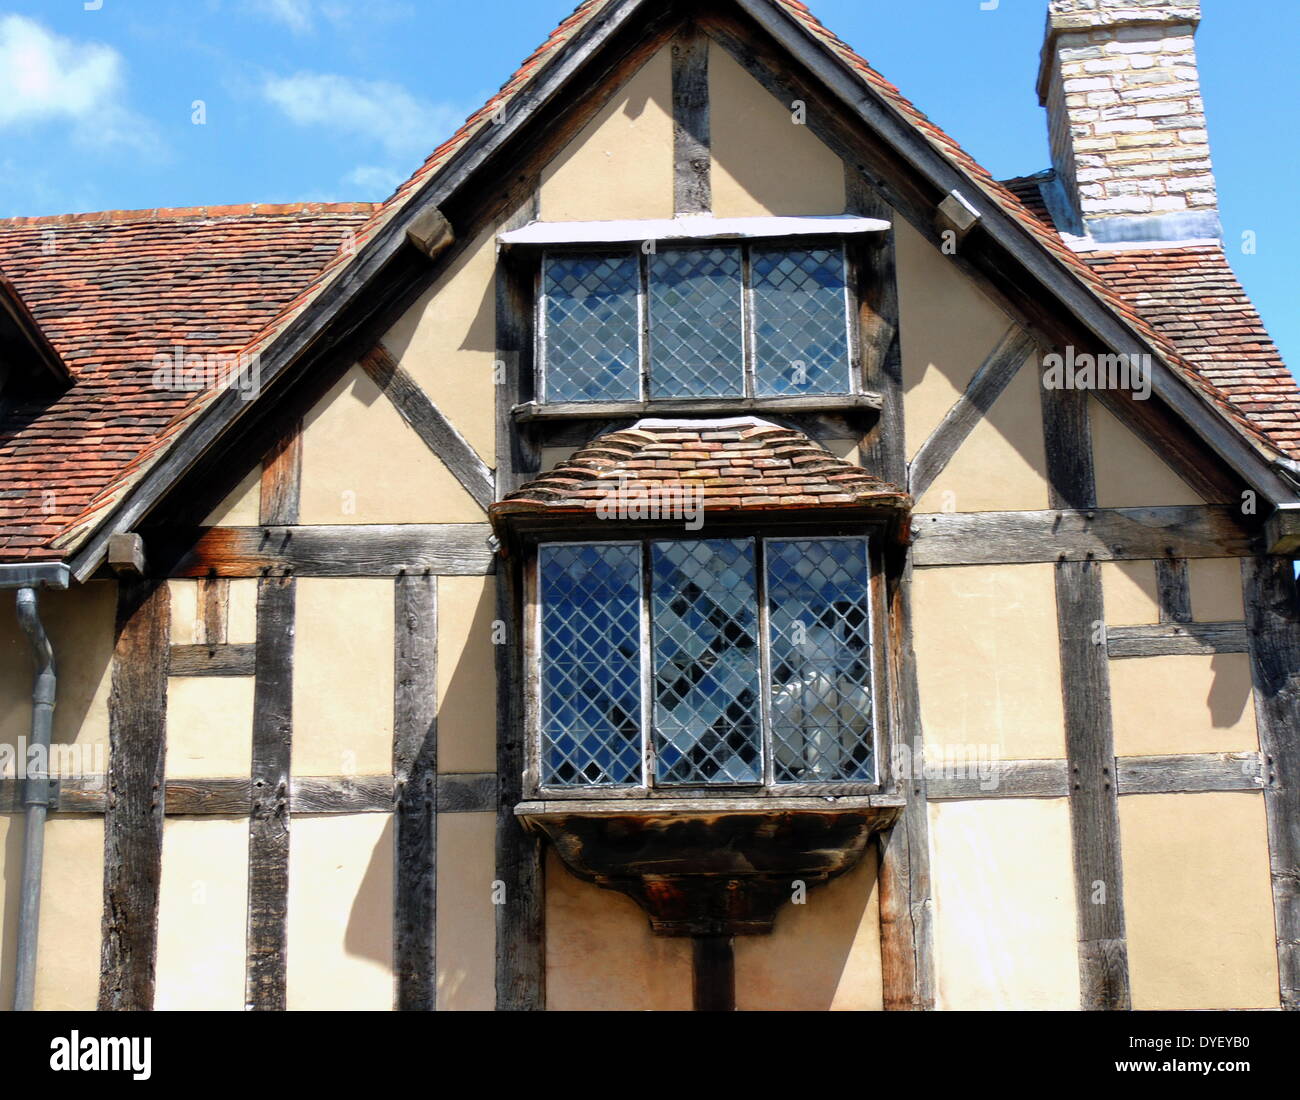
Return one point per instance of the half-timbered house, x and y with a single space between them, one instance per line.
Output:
701 542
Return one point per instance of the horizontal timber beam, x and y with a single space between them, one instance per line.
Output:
1190 773
1097 534
212 660
448 550
364 794
1176 639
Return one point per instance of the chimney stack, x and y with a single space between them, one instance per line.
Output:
1126 120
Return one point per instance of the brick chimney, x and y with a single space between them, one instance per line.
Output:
1126 120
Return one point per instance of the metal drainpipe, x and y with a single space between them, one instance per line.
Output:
36 798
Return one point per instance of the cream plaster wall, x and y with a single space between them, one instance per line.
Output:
447 343
948 327
601 954
340 926
343 676
1189 703
80 624
466 914
823 954
467 718
988 659
1129 473
1129 593
361 463
1002 464
1198 906
763 161
209 727
621 165
1004 908
203 914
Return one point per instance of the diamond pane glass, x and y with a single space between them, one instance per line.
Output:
696 341
592 328
591 665
800 321
704 615
820 651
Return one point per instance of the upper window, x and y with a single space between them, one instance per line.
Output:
709 662
703 320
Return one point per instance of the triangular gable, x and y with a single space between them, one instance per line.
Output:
541 83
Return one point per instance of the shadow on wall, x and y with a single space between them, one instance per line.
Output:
821 955
369 932
1230 689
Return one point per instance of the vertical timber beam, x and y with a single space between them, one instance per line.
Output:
692 146
415 770
906 904
1089 737
713 973
268 827
133 819
1273 627
1173 590
520 936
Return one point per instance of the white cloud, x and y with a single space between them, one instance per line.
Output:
383 113
45 76
302 16
373 182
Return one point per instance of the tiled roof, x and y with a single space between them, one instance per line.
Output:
723 465
113 290
1193 297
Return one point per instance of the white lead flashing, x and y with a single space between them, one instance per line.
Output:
689 228
1088 244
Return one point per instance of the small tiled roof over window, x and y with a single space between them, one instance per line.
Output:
726 465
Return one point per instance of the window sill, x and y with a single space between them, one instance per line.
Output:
534 411
711 866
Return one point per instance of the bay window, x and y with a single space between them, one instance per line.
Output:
720 662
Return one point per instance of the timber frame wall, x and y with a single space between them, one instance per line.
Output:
1073 534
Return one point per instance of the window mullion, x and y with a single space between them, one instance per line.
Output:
749 351
643 318
648 758
764 662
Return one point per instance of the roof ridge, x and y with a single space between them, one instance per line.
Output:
168 213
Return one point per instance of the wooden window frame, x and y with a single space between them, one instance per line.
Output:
872 531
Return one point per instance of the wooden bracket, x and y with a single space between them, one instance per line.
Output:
1282 531
956 214
431 233
126 555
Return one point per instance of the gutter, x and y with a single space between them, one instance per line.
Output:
28 580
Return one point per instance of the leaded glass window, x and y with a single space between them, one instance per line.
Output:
709 320
724 662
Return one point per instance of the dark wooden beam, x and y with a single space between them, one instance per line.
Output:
214 609
415 769
213 660
1182 774
282 480
993 376
437 432
1093 534
1273 625
268 832
1173 590
133 822
713 973
692 149
1089 736
906 907
451 550
1176 639
520 934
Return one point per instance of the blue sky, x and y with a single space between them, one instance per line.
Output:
340 99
